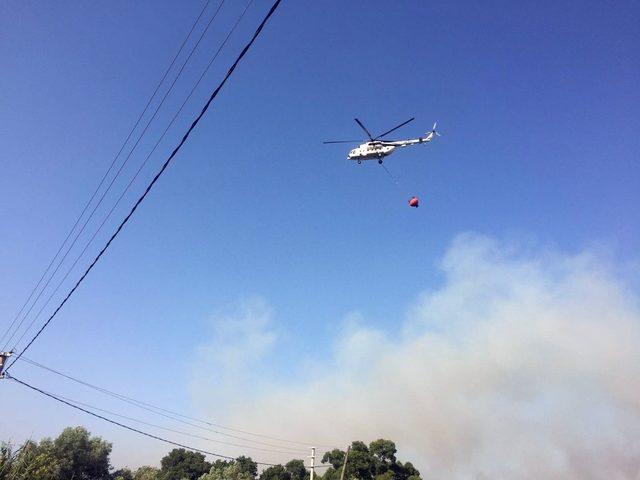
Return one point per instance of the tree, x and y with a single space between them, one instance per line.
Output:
76 455
247 466
335 457
122 474
384 451
384 458
331 474
297 470
275 472
405 471
228 471
388 475
6 460
34 462
375 462
361 464
80 456
146 473
180 464
221 464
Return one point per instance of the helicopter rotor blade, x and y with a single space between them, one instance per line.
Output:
395 128
342 141
364 128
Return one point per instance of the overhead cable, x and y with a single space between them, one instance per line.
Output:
122 425
195 122
142 165
104 177
188 434
176 416
193 49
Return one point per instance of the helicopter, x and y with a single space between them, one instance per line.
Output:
377 148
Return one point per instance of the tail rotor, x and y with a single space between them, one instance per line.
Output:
433 133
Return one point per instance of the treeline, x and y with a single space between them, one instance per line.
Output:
76 455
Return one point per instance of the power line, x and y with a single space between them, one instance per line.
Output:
128 427
134 402
195 122
170 413
142 165
169 90
86 405
97 189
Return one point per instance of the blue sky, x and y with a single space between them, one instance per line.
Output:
537 105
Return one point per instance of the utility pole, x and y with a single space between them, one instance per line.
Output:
344 465
313 462
3 361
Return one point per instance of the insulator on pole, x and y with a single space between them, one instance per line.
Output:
3 361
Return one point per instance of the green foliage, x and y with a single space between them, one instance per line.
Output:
388 475
180 464
122 474
247 466
384 451
218 471
375 462
146 473
36 461
242 468
406 471
76 455
361 464
276 472
230 471
297 470
6 459
73 455
80 456
335 457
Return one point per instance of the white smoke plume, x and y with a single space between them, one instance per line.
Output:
522 365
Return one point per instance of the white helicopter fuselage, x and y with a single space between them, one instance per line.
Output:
379 149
